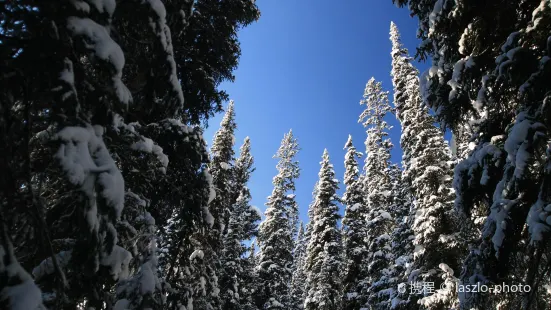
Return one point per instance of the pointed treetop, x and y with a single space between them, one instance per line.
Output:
286 153
229 115
245 160
349 143
395 38
377 104
222 145
325 158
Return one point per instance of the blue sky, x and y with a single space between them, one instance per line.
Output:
304 65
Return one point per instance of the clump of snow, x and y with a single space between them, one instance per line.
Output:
147 145
99 41
122 304
225 166
87 163
385 215
162 31
46 267
148 280
196 254
81 6
118 260
24 295
107 6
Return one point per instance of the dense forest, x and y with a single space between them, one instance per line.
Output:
111 199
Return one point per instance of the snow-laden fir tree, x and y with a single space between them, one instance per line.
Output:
65 146
354 231
323 255
308 227
377 188
276 242
497 70
237 271
221 169
204 243
290 167
426 162
307 231
299 273
66 86
401 241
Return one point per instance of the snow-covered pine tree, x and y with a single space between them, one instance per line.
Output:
289 167
65 53
236 273
308 227
221 169
61 149
354 232
401 241
377 188
307 231
299 273
498 70
439 247
275 260
323 256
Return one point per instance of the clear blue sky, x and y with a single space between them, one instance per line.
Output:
304 66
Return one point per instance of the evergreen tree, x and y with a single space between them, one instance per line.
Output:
307 231
299 275
377 187
208 50
73 158
290 172
354 231
323 258
221 168
275 237
236 268
491 61
401 241
52 53
426 161
237 271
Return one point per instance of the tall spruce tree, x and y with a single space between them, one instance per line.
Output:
299 273
401 241
237 271
307 231
222 171
221 168
354 231
439 247
323 258
275 236
67 86
491 61
377 188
